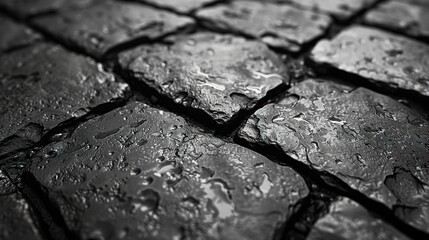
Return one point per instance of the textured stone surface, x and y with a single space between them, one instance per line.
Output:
349 221
102 27
16 217
373 143
45 84
416 2
15 35
339 8
219 74
407 18
182 6
28 8
141 173
279 26
381 57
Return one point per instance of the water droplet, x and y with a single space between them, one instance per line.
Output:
211 52
316 146
277 119
360 159
337 121
319 105
338 161
217 191
136 171
102 135
206 173
266 184
259 165
147 200
146 181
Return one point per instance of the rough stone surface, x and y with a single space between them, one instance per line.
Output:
102 27
341 9
416 2
407 18
29 8
219 74
381 57
15 35
45 84
182 6
348 221
373 143
16 217
280 26
141 173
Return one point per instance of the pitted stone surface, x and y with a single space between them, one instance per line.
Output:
141 173
45 84
219 74
105 26
347 220
279 26
15 35
383 58
28 8
182 6
16 216
403 17
341 9
373 143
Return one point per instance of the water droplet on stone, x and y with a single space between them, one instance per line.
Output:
136 171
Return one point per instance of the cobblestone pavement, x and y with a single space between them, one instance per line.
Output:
214 119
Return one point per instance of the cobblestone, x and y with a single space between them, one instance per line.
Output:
17 35
360 136
414 20
138 172
380 57
218 74
56 87
279 26
103 27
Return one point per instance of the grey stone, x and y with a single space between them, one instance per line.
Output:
280 26
16 215
402 17
100 28
368 140
45 84
15 35
29 8
382 58
342 9
181 6
218 74
347 220
142 173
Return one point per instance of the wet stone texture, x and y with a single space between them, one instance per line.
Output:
45 85
181 6
141 173
279 26
218 74
416 2
16 216
402 17
341 9
16 35
29 8
382 58
101 28
348 221
373 143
